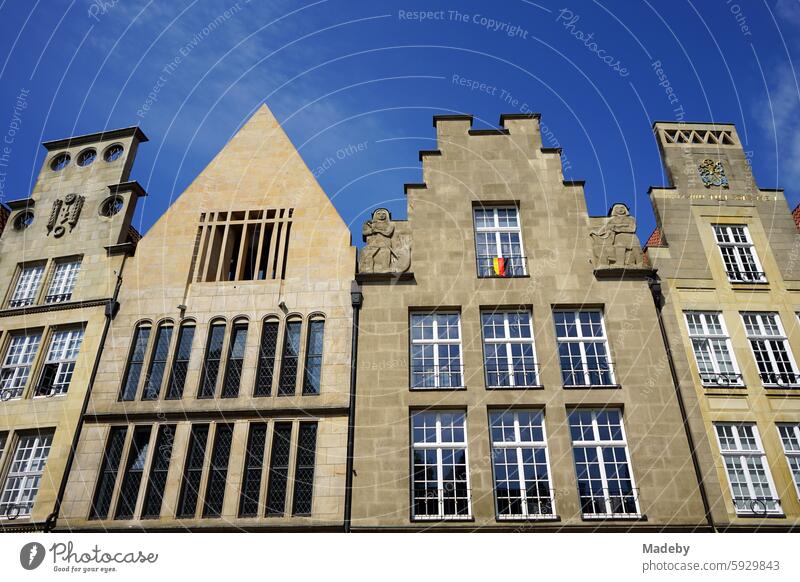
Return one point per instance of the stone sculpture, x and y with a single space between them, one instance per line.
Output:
615 244
386 251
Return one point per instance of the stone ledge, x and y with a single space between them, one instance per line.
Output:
31 309
621 273
384 277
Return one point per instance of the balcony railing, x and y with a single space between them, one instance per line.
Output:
58 298
12 511
747 276
434 377
515 504
757 506
780 379
10 393
448 503
519 376
48 391
721 379
22 302
593 378
512 267
609 503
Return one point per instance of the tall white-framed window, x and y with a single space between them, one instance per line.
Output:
60 362
770 346
62 284
509 355
583 348
712 348
790 437
605 481
436 351
521 466
746 465
24 475
16 366
440 473
739 254
498 240
27 286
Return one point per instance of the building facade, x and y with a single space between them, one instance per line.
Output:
62 254
728 259
222 397
511 372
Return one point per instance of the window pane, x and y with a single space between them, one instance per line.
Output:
208 381
135 363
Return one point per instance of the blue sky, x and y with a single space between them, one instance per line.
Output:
339 73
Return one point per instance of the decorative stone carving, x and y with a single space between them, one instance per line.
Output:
387 250
615 244
712 173
64 212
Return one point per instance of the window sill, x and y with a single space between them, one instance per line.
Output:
48 396
613 517
440 518
492 277
752 515
506 388
437 388
529 518
593 387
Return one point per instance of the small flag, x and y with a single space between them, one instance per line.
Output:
499 266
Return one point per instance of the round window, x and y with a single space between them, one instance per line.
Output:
111 206
86 157
113 153
23 220
60 162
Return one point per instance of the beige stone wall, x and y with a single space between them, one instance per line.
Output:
258 169
694 277
504 168
94 286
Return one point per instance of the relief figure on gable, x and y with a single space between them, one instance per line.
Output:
386 251
615 244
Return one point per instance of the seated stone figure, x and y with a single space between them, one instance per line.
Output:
615 244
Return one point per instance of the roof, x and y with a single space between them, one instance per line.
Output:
656 239
796 216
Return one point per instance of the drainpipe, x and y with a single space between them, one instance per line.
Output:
356 299
658 300
110 311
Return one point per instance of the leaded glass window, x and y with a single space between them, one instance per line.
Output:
135 362
158 363
266 359
218 472
233 368
304 469
289 359
159 468
193 471
104 492
134 469
208 380
313 372
253 464
180 363
279 469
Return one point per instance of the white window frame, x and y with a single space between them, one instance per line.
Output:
438 445
438 373
15 369
582 340
21 484
518 445
740 455
26 288
507 340
739 246
62 283
498 230
789 433
599 445
63 351
773 377
707 334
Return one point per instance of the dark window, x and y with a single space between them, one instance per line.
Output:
193 471
253 462
304 469
266 359
158 472
180 363
313 372
211 365
108 473
217 476
233 369
158 363
291 353
134 469
135 362
279 468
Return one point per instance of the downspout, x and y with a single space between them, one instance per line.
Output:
110 311
658 300
356 299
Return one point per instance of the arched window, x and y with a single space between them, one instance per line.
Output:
289 358
180 363
313 369
208 380
233 367
133 370
158 362
266 357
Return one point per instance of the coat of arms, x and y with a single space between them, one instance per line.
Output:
64 212
713 174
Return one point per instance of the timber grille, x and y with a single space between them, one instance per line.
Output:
193 471
245 245
218 473
108 474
